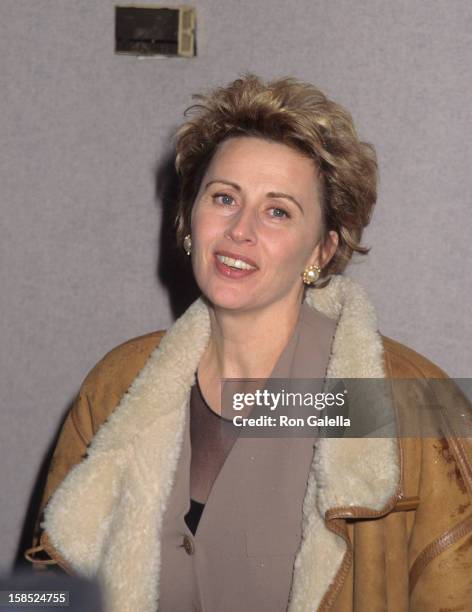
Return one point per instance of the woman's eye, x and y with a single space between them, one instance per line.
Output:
223 198
279 213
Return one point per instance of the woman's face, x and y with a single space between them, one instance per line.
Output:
256 224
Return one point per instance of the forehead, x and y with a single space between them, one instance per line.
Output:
259 159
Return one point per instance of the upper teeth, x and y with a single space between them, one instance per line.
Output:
235 263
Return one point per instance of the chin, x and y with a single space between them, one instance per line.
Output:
221 294
228 302
240 298
228 298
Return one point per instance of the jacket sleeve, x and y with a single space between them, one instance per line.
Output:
437 471
440 572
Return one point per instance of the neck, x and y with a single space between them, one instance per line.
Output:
248 344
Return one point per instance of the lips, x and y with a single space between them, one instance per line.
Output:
236 256
234 266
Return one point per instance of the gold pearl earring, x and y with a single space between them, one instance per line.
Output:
311 274
187 244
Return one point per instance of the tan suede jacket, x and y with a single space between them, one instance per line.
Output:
398 539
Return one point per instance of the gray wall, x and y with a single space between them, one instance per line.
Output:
83 131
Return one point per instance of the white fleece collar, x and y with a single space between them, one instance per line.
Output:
105 517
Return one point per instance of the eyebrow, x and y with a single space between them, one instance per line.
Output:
270 194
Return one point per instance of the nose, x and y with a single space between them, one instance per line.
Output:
241 227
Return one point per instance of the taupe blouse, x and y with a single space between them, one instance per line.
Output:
235 550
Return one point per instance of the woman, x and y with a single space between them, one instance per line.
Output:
164 503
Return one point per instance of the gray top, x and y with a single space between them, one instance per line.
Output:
212 437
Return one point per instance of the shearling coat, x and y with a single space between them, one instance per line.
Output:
386 525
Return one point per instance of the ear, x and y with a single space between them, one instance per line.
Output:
325 249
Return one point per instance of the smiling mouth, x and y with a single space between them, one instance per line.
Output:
237 264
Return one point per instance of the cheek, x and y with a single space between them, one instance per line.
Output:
205 233
202 227
289 253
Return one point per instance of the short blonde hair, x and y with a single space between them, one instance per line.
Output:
297 114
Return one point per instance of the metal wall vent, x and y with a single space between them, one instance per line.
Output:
155 30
